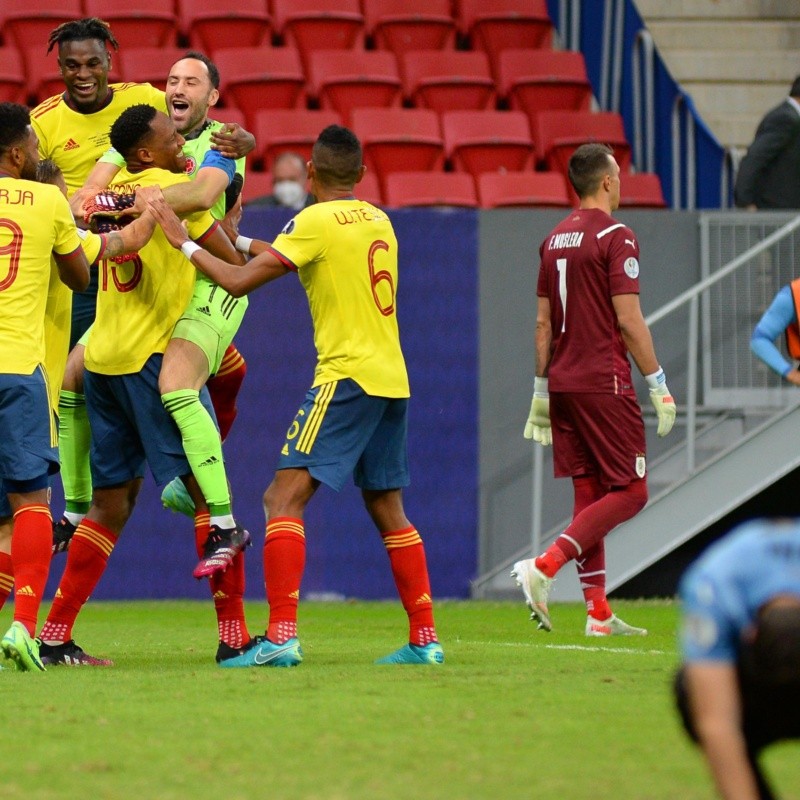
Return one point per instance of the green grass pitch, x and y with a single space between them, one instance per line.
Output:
513 713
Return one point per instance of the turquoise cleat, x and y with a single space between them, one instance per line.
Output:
176 498
21 648
415 654
264 653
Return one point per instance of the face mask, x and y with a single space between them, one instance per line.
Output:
290 193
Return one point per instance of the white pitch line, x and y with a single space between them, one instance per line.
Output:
583 647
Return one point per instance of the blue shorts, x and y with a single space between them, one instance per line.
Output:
340 430
130 426
28 451
84 309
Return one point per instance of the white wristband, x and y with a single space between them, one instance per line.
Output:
188 248
540 385
656 379
243 244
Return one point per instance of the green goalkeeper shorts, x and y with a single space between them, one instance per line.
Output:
211 320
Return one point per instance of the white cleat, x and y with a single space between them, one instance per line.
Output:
613 626
536 587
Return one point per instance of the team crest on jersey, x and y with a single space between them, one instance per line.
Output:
288 227
640 466
631 267
191 165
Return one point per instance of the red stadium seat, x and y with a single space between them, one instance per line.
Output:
403 25
214 24
641 190
448 80
148 64
393 139
313 25
497 189
347 79
30 23
497 25
369 189
256 78
487 141
558 133
544 80
290 129
13 83
430 189
137 23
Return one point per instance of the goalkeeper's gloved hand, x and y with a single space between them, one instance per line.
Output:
662 401
538 425
108 204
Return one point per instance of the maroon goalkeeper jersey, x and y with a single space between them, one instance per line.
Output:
586 260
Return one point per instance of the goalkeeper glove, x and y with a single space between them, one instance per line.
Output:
662 401
107 204
538 425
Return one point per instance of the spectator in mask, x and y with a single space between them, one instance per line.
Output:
289 176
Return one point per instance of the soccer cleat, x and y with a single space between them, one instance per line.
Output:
261 652
177 499
431 653
63 531
221 548
70 654
21 648
613 626
536 587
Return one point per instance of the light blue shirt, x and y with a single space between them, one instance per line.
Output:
724 589
770 327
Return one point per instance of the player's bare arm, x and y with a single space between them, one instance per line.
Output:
237 280
131 238
233 141
635 332
543 337
714 697
198 194
73 270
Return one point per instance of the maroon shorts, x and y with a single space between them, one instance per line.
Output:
598 434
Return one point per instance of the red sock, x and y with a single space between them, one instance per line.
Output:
551 561
224 388
227 589
202 523
410 571
592 577
31 550
284 562
6 577
86 561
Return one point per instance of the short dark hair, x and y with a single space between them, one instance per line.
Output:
47 171
795 90
774 655
14 122
337 156
78 30
131 126
213 70
587 166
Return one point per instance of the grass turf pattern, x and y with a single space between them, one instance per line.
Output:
514 712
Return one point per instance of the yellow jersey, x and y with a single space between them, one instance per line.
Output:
75 141
35 222
139 301
345 253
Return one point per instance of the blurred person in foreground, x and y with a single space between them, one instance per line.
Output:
584 402
739 687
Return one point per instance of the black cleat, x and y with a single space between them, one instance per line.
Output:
69 654
222 546
63 531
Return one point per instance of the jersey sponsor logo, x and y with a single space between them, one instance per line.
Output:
288 227
71 145
640 466
204 310
631 242
561 241
631 267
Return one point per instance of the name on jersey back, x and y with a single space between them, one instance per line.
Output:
16 197
560 241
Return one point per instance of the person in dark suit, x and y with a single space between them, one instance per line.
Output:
769 175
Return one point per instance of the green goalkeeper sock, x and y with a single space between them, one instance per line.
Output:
74 441
202 446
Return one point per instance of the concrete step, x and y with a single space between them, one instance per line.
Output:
714 9
775 66
733 128
732 36
744 98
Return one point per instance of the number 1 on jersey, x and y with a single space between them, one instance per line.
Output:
561 266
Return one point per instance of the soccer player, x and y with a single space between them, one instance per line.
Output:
73 131
588 321
780 318
138 305
35 223
354 418
739 688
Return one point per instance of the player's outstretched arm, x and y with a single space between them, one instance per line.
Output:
73 270
233 141
237 280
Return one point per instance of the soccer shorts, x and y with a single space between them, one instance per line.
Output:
28 452
84 309
130 426
598 434
211 320
340 430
